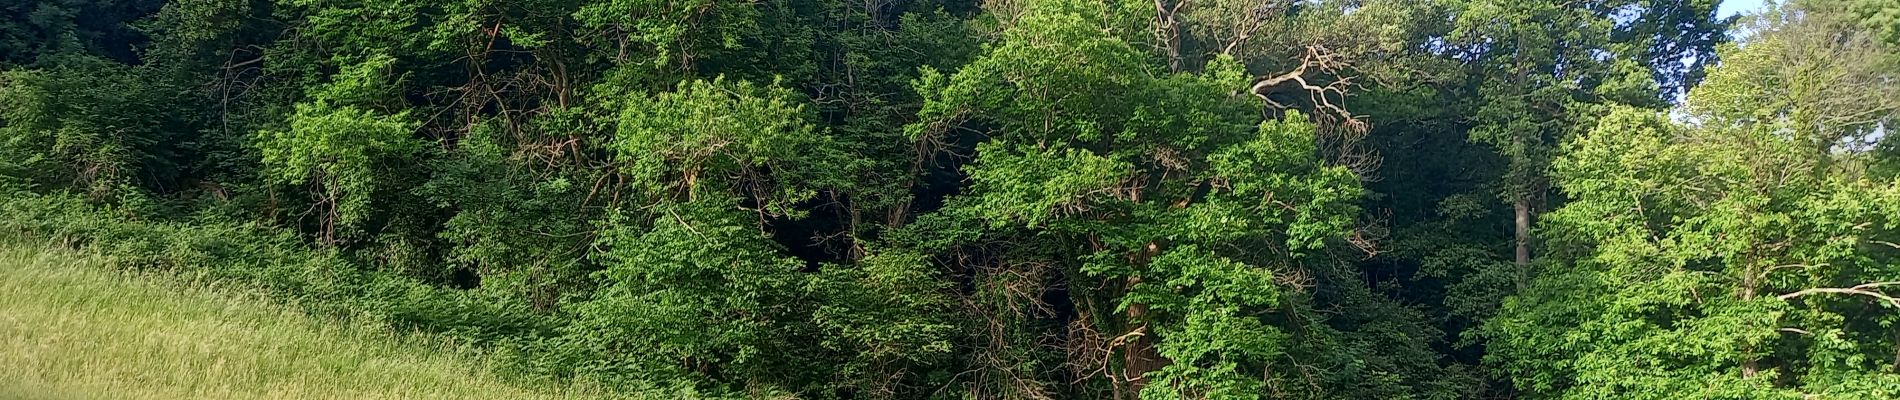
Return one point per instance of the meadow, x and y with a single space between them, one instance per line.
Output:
76 329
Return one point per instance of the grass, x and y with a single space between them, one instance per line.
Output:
72 328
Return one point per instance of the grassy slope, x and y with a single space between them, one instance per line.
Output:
72 329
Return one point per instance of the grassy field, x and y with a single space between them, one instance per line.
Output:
72 329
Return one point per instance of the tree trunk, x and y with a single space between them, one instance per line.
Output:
1896 349
1139 357
1523 224
331 214
1523 204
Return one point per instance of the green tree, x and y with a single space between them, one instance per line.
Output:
94 126
1741 255
1173 215
694 290
340 149
1543 69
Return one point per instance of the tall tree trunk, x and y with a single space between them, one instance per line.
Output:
1523 225
1523 204
1139 357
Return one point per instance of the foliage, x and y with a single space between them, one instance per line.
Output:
1729 258
94 126
1023 199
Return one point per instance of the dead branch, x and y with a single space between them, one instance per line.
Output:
1168 31
1342 132
1863 290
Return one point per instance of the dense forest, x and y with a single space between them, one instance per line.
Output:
1006 199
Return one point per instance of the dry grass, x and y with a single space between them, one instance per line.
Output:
72 329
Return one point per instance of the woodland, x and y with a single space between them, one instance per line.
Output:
1005 199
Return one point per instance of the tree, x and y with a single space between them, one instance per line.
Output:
1741 255
1174 217
94 126
1812 72
1543 67
340 149
1699 251
694 290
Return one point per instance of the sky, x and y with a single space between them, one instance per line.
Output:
1733 7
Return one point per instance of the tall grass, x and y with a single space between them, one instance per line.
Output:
73 328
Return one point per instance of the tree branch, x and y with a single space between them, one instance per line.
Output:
1863 290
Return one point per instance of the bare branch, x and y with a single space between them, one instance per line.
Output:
1342 132
1863 290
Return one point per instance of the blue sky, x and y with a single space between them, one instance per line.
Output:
1732 7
